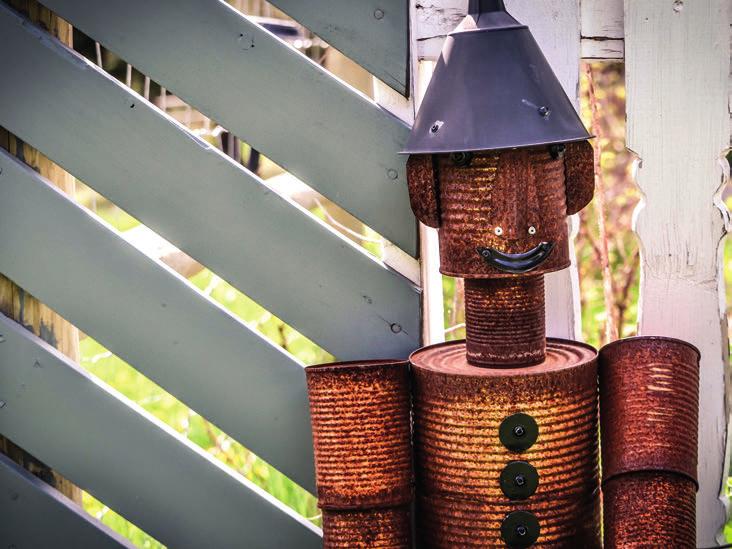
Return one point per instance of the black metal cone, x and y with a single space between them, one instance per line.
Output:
492 89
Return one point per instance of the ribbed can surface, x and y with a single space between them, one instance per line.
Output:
505 321
494 202
458 409
385 528
649 400
650 509
360 415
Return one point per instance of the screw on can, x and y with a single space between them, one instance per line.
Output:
518 432
519 480
520 529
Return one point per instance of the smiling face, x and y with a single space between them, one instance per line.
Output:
502 214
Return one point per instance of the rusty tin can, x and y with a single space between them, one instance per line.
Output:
511 201
462 448
360 413
505 321
387 528
649 402
650 509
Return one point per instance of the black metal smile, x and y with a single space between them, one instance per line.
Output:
517 263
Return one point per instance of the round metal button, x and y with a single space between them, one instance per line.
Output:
519 480
518 432
520 529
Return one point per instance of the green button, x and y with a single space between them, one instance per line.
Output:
520 529
519 480
518 432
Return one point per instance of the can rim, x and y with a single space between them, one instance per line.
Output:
356 364
641 338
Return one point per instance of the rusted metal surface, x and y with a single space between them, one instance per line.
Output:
360 414
650 509
422 182
387 528
649 400
459 457
579 171
511 202
505 321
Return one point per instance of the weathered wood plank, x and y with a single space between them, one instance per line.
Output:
677 65
292 110
155 320
35 515
374 33
202 201
602 29
15 302
132 462
556 27
437 19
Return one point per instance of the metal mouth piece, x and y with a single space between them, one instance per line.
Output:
517 263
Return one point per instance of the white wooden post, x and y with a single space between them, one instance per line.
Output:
677 65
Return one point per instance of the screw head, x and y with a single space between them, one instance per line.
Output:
521 530
396 328
391 173
544 111
498 231
378 13
519 480
532 230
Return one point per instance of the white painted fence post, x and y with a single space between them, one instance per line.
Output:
677 65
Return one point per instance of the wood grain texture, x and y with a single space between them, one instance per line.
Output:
677 65
438 18
207 205
374 33
171 488
24 498
15 302
602 29
283 104
156 321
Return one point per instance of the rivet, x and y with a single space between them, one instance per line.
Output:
396 328
544 111
379 13
392 173
532 230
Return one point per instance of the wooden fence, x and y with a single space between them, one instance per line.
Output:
343 145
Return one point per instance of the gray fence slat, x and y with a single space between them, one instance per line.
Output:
199 199
38 516
129 460
155 320
265 92
374 33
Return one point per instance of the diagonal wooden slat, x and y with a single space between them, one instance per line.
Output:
200 200
374 33
267 93
36 515
134 463
155 320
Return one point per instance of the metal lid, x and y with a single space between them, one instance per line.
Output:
492 89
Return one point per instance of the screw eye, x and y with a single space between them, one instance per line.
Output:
498 231
532 230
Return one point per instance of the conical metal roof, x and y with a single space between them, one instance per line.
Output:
492 89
